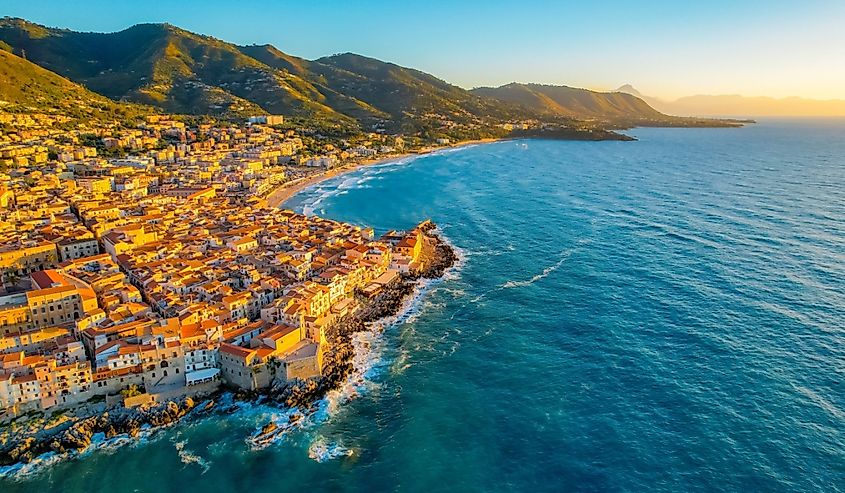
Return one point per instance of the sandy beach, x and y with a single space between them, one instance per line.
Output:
287 190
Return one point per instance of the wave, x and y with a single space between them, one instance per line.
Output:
548 270
358 177
327 190
368 362
516 284
99 443
322 450
21 471
355 179
821 402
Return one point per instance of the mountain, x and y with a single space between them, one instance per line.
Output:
571 101
743 106
182 72
311 84
366 88
629 89
403 92
168 67
354 83
616 109
24 86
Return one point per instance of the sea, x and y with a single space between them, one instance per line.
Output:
662 315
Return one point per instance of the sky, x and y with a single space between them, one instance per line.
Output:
663 48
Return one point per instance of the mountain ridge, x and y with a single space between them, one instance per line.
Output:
613 108
738 106
178 71
571 101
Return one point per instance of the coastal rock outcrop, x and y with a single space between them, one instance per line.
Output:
337 359
78 435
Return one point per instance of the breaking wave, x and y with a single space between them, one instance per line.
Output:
322 450
548 270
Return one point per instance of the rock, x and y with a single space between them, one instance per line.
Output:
17 451
77 435
268 428
57 447
206 407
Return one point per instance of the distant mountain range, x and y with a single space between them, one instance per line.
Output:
571 102
174 70
618 107
741 106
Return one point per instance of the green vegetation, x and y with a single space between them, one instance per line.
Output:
167 67
26 87
572 102
92 140
177 71
182 72
131 391
414 100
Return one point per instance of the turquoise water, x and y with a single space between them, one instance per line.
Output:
660 315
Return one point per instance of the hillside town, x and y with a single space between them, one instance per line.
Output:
141 264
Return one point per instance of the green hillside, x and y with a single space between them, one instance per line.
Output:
572 102
182 72
407 94
26 87
312 83
369 89
165 66
611 109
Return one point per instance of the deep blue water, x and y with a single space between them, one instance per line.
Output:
660 315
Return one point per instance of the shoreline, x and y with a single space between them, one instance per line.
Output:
285 191
68 439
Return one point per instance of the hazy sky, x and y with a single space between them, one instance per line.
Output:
664 48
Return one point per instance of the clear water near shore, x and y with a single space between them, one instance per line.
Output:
660 315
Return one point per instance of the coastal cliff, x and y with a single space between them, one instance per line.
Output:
76 434
437 256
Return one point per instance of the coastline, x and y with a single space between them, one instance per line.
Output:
26 449
302 398
285 191
41 446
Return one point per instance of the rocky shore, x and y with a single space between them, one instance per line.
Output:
76 434
337 366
